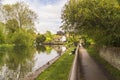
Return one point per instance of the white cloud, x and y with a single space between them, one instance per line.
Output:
49 15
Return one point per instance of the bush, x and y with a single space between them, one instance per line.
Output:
40 39
22 38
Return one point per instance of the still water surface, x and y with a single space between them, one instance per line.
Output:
16 63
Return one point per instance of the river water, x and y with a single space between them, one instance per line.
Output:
17 62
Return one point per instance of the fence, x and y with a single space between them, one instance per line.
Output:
75 73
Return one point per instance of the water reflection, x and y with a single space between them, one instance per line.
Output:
40 48
15 63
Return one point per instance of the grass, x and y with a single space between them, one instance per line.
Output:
112 71
60 69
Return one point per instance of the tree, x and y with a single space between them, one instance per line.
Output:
0 10
19 21
24 16
22 38
2 37
40 39
2 33
118 1
12 25
49 36
96 19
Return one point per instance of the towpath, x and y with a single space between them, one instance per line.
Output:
91 71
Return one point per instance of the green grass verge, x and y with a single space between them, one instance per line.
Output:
114 72
60 69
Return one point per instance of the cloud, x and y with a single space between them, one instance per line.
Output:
49 12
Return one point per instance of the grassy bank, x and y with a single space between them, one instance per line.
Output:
60 69
113 72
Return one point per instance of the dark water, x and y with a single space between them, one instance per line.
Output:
17 62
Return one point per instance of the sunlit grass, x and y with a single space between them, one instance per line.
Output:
60 69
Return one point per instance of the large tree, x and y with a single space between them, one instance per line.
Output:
95 18
19 20
22 38
21 13
0 11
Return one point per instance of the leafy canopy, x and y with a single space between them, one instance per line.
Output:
99 20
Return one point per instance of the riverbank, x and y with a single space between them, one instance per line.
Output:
60 69
111 72
52 43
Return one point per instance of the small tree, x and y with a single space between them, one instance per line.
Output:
21 12
40 39
49 36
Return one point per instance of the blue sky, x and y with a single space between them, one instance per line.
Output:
49 12
49 1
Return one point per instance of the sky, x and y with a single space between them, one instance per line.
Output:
48 11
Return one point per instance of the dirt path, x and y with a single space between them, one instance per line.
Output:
91 70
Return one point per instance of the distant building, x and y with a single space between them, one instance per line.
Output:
60 33
63 38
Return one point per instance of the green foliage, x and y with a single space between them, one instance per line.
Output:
4 47
2 38
2 33
48 49
49 36
12 25
40 38
95 18
21 12
118 1
19 24
22 38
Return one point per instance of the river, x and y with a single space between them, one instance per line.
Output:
17 62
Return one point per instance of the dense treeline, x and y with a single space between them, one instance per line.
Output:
17 24
48 38
98 19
